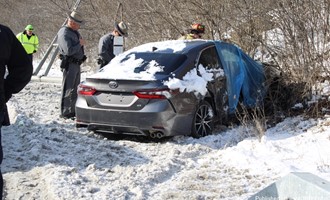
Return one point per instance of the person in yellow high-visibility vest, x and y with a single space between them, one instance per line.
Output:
29 40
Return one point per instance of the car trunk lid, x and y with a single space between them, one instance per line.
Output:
122 94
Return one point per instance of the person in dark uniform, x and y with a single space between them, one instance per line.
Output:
19 71
105 47
71 48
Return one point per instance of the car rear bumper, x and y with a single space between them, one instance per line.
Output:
147 122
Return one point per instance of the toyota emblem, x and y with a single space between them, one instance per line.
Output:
113 84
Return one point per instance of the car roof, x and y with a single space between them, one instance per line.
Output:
171 46
193 44
135 56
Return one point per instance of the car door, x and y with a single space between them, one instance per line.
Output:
209 59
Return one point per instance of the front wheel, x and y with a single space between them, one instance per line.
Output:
203 121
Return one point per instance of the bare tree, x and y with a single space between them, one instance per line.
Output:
304 30
296 33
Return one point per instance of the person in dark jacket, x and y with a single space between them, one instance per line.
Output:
71 47
19 71
106 44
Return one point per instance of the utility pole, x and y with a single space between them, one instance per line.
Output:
53 46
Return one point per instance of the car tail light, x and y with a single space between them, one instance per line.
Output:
154 94
86 90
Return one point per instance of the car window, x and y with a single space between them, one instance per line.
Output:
230 58
230 54
168 61
209 58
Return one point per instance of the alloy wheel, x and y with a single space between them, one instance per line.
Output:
203 120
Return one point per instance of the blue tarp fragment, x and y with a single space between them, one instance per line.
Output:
244 76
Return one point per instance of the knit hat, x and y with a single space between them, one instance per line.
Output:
75 16
122 28
29 27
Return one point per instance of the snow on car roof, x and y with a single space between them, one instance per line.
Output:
169 46
119 69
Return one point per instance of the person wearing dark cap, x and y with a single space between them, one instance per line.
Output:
29 41
71 49
105 48
14 58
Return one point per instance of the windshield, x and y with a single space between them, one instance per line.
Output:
168 62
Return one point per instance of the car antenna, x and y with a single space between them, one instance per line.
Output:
154 49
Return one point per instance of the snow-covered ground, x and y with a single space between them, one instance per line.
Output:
46 157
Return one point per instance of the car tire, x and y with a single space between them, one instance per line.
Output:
203 121
80 125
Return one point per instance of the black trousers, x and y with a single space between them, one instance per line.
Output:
1 154
31 57
102 63
71 80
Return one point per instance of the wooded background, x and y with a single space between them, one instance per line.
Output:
294 33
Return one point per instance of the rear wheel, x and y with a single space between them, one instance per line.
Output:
80 125
203 122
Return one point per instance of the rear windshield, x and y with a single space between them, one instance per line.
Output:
168 61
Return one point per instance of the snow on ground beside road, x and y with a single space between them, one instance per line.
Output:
46 157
